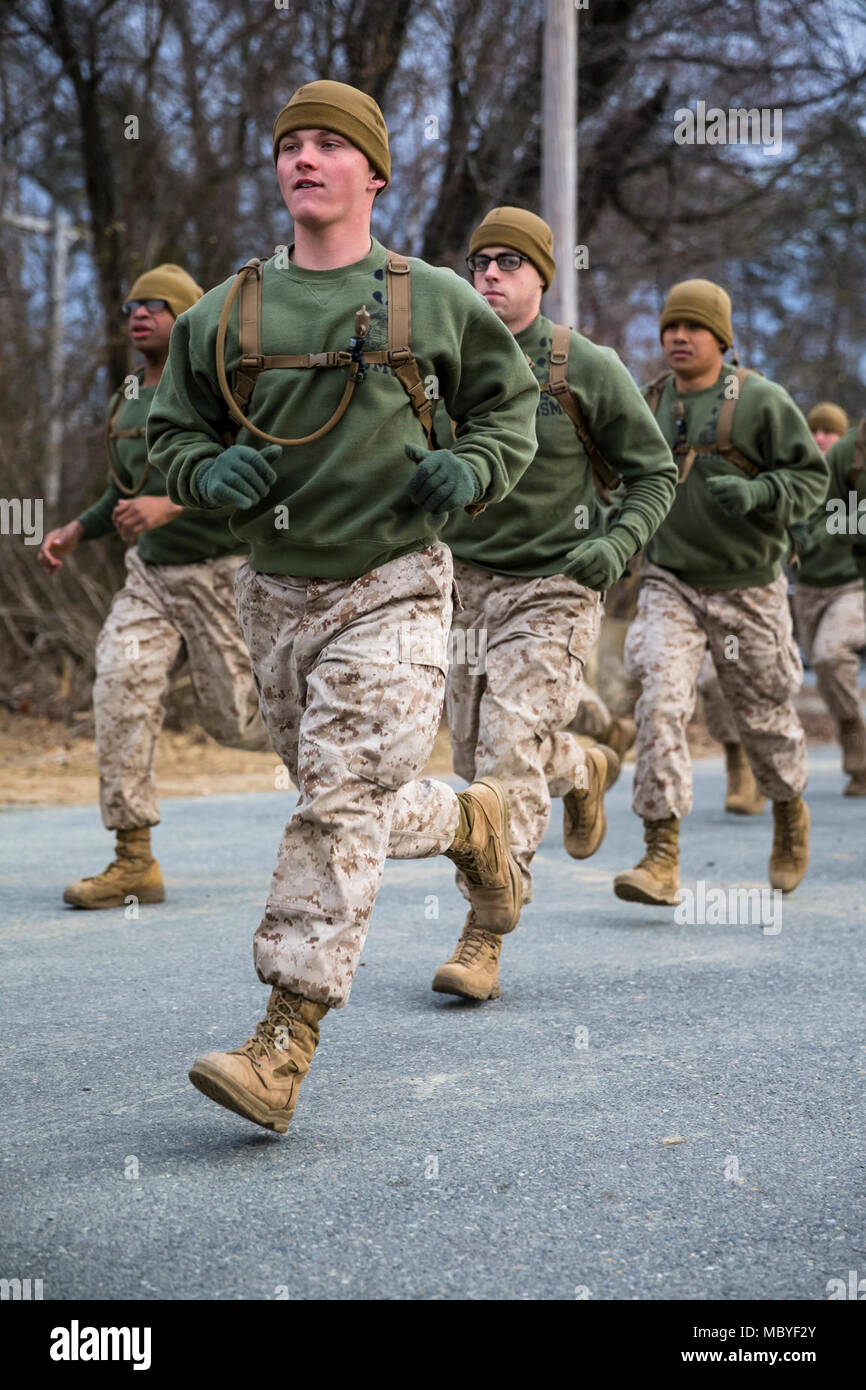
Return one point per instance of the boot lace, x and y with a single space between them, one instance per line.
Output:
472 862
789 828
474 943
657 845
275 1029
579 812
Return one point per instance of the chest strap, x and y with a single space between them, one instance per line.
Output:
247 288
686 451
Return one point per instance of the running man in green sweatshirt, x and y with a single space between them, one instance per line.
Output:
713 577
177 601
532 575
829 597
346 601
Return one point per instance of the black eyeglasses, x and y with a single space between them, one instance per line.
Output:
506 260
153 306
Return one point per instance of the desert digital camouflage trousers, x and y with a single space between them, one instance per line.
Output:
518 649
721 724
351 677
759 669
163 614
593 717
831 625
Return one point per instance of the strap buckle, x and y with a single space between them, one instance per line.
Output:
252 359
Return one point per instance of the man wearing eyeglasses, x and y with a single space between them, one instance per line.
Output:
178 600
532 575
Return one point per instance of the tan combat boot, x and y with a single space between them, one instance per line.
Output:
261 1079
789 857
744 797
483 855
656 879
584 820
133 874
852 736
620 735
473 970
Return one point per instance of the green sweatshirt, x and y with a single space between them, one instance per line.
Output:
339 507
701 543
189 537
827 558
555 504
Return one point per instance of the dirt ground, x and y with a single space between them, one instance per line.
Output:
43 762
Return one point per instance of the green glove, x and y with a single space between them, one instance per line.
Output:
442 481
737 496
238 477
598 563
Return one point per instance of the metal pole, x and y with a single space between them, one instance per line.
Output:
61 238
559 153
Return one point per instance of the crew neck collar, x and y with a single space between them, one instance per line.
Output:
705 390
531 331
372 261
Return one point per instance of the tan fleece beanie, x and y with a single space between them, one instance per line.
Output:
522 230
168 282
702 302
829 417
345 110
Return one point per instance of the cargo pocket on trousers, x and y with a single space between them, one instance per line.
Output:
406 711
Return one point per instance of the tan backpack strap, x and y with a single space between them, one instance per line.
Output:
652 392
249 331
603 475
725 425
112 433
400 342
558 372
399 303
252 361
726 414
725 448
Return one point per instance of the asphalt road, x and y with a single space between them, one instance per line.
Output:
441 1149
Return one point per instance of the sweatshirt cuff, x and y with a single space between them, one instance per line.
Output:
767 494
625 539
94 524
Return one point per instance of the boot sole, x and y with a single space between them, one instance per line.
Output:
513 866
445 984
152 895
751 810
631 893
226 1092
